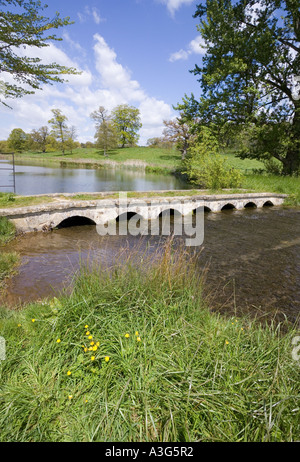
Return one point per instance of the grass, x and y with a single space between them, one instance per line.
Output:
7 230
136 156
193 376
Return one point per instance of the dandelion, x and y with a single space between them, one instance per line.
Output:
69 373
90 337
70 396
136 333
127 335
138 339
106 359
86 326
227 343
19 325
58 340
242 328
33 320
85 349
95 348
92 343
98 344
87 333
92 358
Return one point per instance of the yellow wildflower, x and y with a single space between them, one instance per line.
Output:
33 320
70 396
90 337
86 326
92 358
92 343
58 340
106 359
136 333
98 344
127 335
87 333
69 373
19 325
95 348
138 339
227 343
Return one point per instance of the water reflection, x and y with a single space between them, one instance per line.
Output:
46 179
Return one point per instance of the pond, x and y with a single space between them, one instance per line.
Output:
44 178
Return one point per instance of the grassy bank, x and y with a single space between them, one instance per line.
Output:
139 357
8 260
137 156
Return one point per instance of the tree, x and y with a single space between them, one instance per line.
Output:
59 128
106 135
39 138
23 26
126 120
248 74
178 132
71 135
17 140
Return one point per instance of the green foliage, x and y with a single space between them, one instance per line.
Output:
23 25
59 128
205 168
248 75
18 140
126 120
7 228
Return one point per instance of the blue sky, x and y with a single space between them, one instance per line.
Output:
136 52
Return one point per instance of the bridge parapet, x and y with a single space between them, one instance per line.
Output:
49 215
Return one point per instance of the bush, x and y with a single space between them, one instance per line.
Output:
206 169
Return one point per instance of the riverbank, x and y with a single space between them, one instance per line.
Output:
140 357
8 260
165 161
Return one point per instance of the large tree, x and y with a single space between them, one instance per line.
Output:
60 130
23 26
126 120
106 134
249 72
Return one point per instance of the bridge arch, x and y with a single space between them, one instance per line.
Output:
75 220
125 216
228 206
250 205
173 212
268 204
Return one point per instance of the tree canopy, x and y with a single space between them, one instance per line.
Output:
249 75
22 26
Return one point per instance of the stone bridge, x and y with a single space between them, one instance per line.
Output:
61 212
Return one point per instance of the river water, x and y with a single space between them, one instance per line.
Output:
250 258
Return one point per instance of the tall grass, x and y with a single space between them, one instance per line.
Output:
162 366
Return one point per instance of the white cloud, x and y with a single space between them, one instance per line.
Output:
90 13
174 5
196 46
110 85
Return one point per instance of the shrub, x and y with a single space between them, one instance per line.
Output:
205 168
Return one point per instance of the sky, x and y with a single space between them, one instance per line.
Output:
135 52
